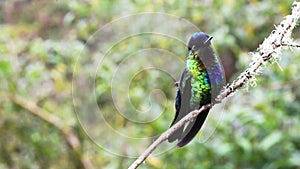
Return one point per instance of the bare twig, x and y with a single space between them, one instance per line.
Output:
267 50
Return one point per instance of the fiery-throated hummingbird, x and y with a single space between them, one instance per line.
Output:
200 82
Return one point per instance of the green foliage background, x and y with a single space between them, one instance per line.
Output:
40 41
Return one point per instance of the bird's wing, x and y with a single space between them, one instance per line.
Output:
181 103
216 75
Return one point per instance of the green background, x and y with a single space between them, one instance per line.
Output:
40 41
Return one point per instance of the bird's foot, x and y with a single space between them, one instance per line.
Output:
176 84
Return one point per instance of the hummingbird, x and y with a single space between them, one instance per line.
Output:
200 82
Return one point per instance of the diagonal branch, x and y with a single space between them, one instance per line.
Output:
69 135
280 37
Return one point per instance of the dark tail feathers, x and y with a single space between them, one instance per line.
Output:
192 129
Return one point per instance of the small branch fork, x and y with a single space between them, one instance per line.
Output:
270 48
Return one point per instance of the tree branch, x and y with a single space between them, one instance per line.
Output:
269 49
69 135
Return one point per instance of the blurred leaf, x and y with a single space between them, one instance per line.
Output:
245 144
4 67
154 162
270 140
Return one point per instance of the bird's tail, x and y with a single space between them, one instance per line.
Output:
177 134
192 129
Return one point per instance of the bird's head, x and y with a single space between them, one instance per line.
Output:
198 42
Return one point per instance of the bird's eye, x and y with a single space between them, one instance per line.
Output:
191 52
194 48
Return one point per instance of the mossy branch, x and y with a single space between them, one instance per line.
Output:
271 47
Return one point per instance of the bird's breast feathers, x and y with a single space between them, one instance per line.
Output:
200 84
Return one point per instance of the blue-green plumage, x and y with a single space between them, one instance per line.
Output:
201 81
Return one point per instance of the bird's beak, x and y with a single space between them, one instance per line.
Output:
208 40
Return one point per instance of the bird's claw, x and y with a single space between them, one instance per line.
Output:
176 84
